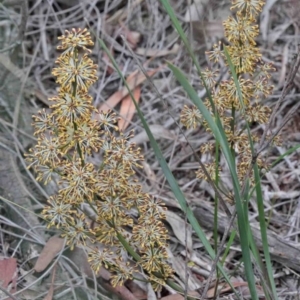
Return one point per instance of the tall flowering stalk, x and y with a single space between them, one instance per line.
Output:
253 80
94 206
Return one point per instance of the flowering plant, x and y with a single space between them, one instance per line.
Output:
94 204
236 103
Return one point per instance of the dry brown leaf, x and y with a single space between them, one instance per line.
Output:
157 53
134 79
53 246
127 109
8 274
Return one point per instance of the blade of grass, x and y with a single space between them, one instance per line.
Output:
259 197
220 137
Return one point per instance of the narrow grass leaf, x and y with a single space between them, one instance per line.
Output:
220 137
263 229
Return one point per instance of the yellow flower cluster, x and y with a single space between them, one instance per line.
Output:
101 207
253 77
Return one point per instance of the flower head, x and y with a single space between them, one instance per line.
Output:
250 7
74 39
75 72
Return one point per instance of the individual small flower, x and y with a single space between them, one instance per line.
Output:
152 258
241 29
276 140
99 258
110 182
156 283
124 272
110 207
106 232
154 234
190 117
244 164
69 108
262 88
231 93
209 77
265 69
79 71
211 169
252 7
258 113
78 181
88 137
151 210
216 54
107 121
244 57
229 197
124 152
207 147
31 158
137 197
240 141
227 122
74 39
57 213
45 173
43 121
221 104
76 232
47 150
